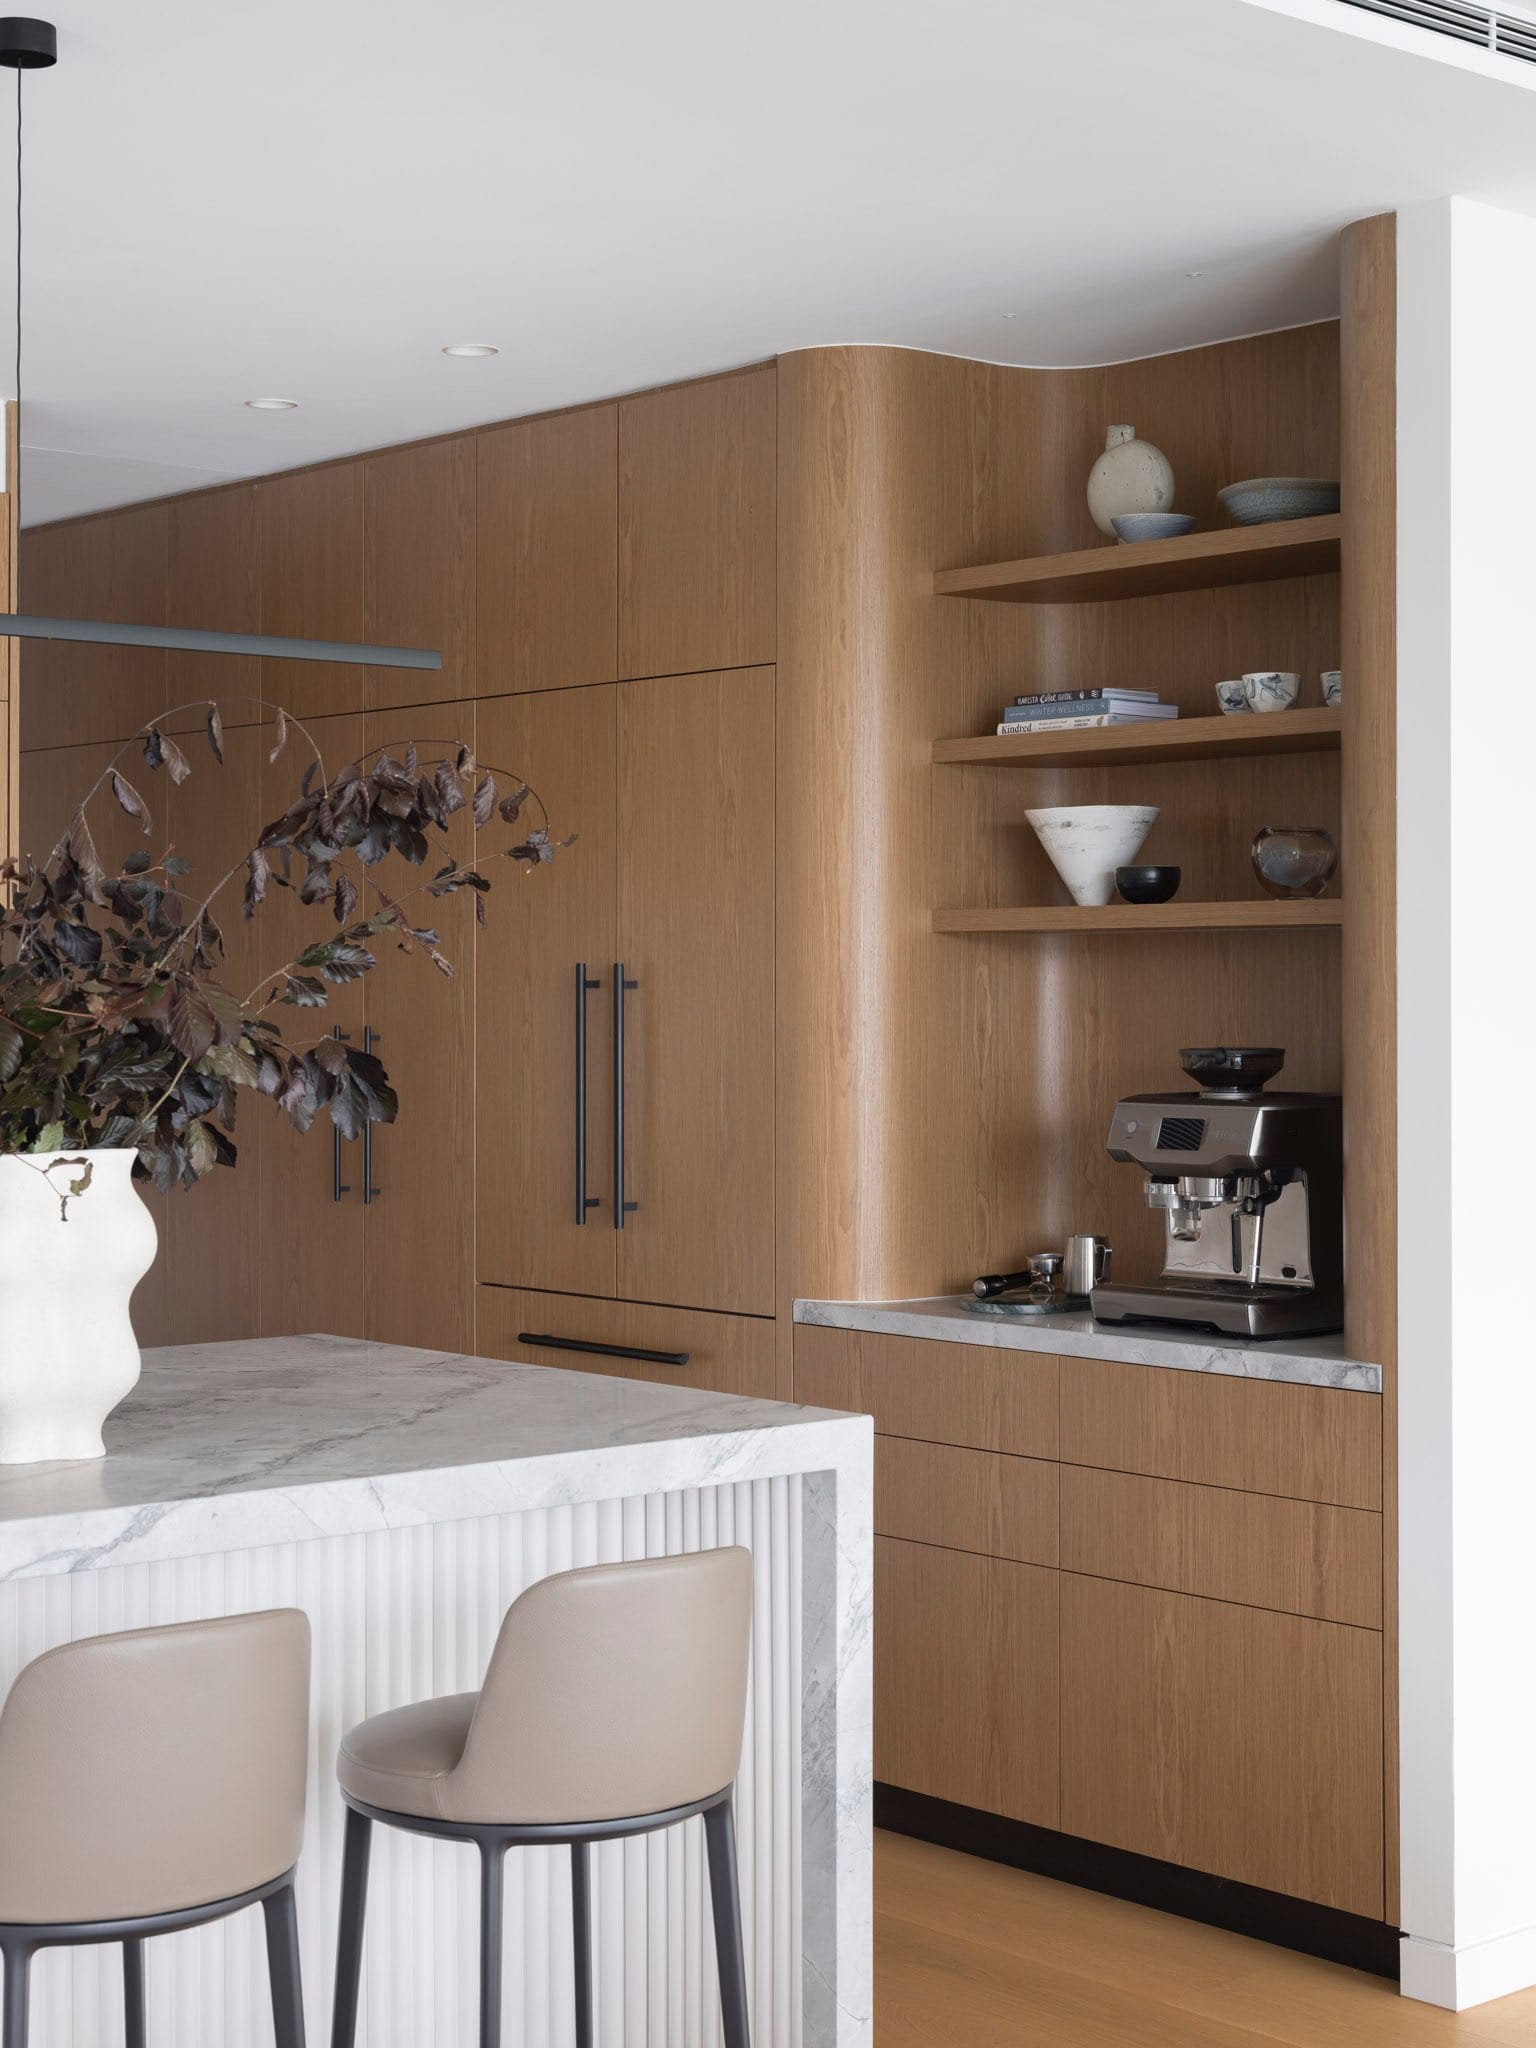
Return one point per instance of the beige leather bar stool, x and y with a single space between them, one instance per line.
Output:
150 1781
613 1705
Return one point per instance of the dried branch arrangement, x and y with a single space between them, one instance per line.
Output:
117 1027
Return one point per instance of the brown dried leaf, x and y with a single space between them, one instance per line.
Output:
280 729
216 733
130 799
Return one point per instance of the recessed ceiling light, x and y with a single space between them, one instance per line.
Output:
271 404
1194 273
471 348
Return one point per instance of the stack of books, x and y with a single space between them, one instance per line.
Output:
1073 710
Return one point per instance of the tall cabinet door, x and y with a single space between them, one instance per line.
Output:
695 899
543 1066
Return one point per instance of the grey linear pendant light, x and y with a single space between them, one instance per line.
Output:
29 45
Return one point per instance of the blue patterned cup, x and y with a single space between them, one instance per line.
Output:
1232 698
1333 686
1271 689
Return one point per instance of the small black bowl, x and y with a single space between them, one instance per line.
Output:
1147 885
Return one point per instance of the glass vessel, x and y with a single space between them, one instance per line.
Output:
1295 860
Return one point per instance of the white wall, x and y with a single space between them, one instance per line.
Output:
1467 1028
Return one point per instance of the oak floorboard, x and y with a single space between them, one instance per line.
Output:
972 1951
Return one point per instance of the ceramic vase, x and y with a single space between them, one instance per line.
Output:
1087 842
68 1264
1130 476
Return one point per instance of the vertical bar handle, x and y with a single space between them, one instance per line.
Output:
371 1038
338 1185
584 1201
621 1208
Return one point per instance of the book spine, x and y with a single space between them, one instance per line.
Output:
1060 724
1065 707
1110 693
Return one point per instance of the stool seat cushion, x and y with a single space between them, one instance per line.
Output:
401 1760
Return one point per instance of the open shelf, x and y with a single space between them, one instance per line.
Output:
1153 568
1174 739
1262 914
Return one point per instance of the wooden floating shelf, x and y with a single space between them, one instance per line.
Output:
1154 568
1174 739
1261 915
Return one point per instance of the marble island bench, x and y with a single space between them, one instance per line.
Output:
403 1499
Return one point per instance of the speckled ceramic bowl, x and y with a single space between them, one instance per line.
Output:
1263 499
1134 526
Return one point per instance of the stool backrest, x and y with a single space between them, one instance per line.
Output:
154 1769
616 1690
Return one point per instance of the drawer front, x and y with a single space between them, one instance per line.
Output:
726 1354
1292 1555
1244 1744
1259 1436
966 1679
967 1500
943 1393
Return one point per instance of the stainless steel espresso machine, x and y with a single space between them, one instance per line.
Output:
1249 1187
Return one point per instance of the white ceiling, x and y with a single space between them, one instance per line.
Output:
307 198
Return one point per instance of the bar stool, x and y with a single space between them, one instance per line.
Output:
613 1705
150 1781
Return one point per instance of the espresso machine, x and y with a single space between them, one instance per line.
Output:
1249 1189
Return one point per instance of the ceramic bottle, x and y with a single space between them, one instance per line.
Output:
1130 476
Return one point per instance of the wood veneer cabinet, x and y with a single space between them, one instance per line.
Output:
666 785
419 568
109 567
697 495
547 540
725 1354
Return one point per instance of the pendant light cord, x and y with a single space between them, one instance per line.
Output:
16 479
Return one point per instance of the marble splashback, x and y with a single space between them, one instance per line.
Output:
950 1319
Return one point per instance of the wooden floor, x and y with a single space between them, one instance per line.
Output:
972 1955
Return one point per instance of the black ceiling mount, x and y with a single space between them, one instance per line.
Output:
26 44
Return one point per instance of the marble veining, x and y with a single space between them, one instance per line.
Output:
272 1440
947 1318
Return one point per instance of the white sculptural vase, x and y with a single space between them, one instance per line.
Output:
1130 476
69 1263
1087 842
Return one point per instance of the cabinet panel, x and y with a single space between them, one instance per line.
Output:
726 1354
696 933
944 1393
1240 1743
538 928
419 568
213 580
310 527
966 1679
546 525
1288 1554
696 525
109 567
1263 1436
420 1229
967 1500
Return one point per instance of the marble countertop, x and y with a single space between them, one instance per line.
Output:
221 1446
1305 1361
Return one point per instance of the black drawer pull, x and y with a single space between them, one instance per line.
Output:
602 1350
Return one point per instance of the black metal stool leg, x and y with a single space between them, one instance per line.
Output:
283 1968
581 1930
133 1993
492 1861
349 1935
725 1896
18 1970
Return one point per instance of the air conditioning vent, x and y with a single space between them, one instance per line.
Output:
1181 1134
1506 35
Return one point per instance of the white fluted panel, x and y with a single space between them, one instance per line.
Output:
403 1614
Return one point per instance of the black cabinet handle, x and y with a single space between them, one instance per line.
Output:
338 1185
371 1038
602 1350
584 1201
621 1208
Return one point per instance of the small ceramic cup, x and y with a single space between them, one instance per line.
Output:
1271 689
1333 686
1232 697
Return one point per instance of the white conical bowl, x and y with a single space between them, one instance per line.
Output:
1087 842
